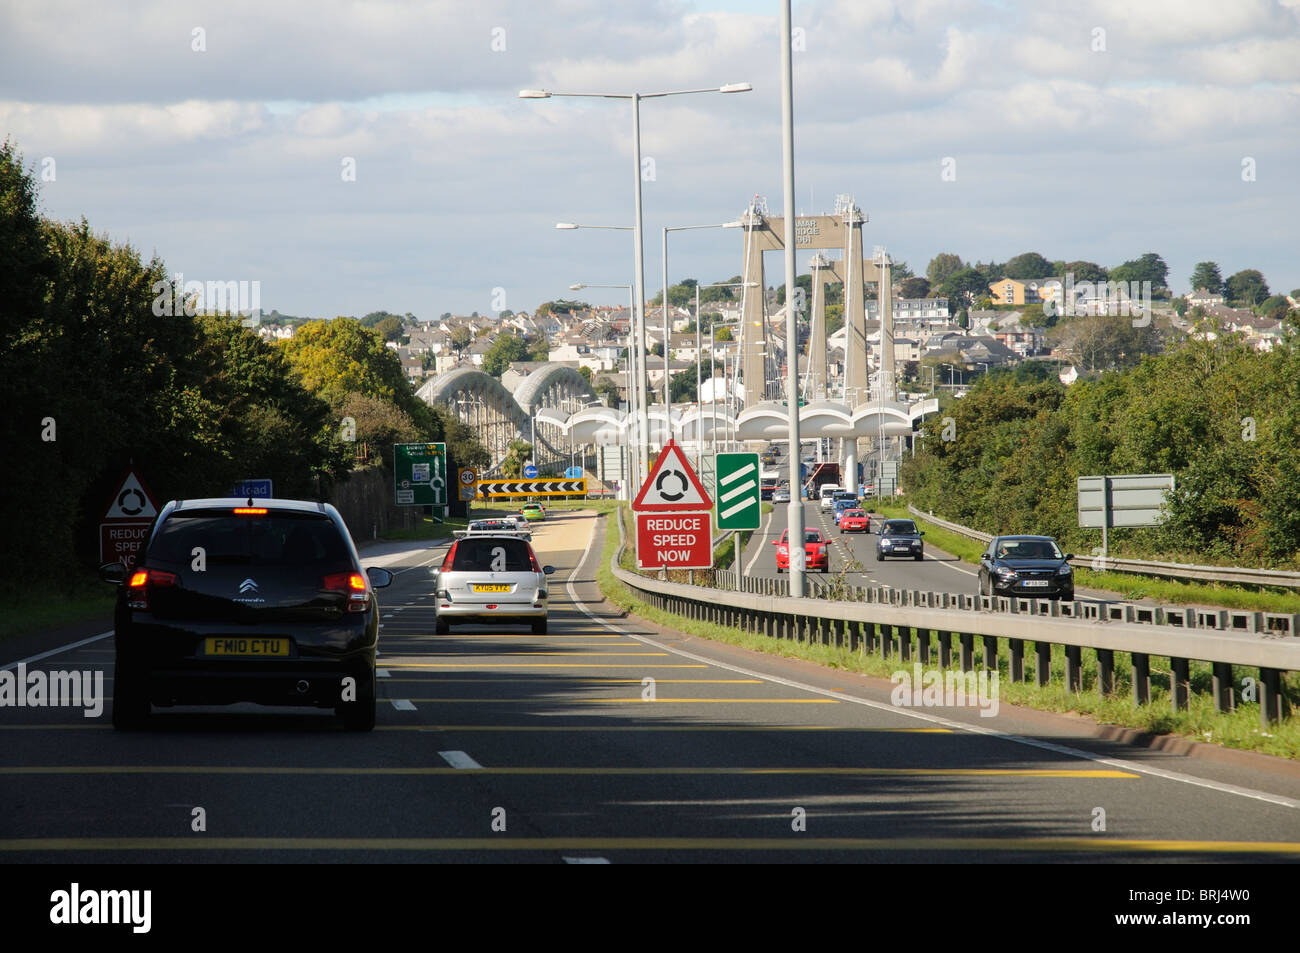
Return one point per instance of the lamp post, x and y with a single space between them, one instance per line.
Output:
668 398
633 478
795 519
643 419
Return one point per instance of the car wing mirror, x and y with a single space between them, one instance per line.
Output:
548 569
115 573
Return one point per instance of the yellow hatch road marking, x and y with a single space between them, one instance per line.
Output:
565 699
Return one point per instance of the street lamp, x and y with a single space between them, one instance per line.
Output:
643 421
668 400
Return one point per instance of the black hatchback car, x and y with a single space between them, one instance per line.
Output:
1031 566
240 600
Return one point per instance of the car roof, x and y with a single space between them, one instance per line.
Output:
219 502
998 539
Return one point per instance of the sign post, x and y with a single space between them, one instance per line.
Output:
737 490
673 528
420 475
125 526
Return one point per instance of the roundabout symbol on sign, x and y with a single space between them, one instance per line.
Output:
681 480
131 510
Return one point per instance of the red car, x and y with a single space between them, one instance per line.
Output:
815 545
855 521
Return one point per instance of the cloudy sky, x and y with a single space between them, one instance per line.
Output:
220 135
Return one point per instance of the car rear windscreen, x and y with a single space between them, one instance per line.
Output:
272 539
491 555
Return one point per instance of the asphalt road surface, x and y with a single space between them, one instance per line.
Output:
497 745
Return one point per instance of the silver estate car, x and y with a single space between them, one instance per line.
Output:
490 579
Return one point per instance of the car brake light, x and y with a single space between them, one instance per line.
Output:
533 558
354 584
142 580
451 555
250 510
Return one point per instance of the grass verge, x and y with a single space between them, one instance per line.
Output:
1201 722
85 598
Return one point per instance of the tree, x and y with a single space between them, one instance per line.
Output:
461 338
585 371
538 348
562 306
517 454
1206 275
1275 307
1247 288
900 272
914 288
1085 271
834 318
1028 265
1149 267
964 286
505 350
941 266
607 390
722 334
390 327
682 387
1031 316
1103 342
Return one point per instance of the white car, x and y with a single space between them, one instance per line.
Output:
497 526
487 579
827 494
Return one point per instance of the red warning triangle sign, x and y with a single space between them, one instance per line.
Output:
672 485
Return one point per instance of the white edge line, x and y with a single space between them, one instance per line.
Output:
402 704
757 549
61 648
1222 788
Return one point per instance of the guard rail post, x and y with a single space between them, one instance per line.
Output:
1221 687
1141 678
1179 685
1073 669
1042 662
967 652
1016 664
904 642
1106 672
1270 696
945 649
990 652
923 645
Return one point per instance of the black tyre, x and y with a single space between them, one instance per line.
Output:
880 557
130 699
359 715
919 556
779 570
441 627
539 626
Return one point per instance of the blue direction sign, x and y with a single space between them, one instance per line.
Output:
258 489
530 472
573 473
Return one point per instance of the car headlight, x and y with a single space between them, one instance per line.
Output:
1007 573
1065 570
